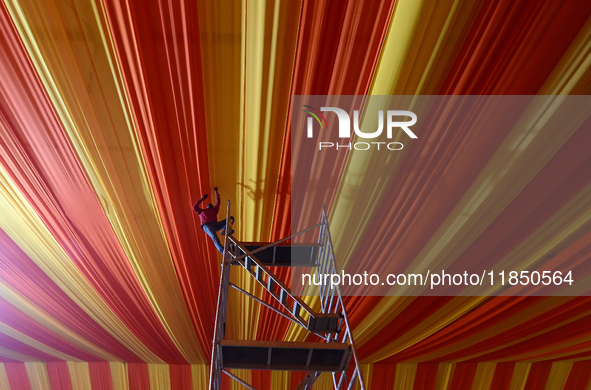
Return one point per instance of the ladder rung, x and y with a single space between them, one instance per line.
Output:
324 323
260 274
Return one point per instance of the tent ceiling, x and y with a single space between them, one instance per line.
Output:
116 116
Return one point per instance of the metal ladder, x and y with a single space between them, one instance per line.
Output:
335 354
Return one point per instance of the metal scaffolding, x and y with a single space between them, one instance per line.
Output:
335 354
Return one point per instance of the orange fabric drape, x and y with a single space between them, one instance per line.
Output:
166 95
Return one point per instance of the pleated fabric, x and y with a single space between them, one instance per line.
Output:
117 116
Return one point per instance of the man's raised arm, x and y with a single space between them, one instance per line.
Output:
196 205
217 200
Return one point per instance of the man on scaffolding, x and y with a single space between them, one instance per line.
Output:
209 220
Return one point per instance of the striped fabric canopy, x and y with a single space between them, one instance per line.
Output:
116 116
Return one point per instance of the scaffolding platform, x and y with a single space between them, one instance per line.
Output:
283 255
283 355
334 353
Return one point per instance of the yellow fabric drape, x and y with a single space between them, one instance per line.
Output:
119 376
258 37
405 376
520 375
159 376
79 376
221 53
200 374
280 379
268 30
245 375
38 378
484 375
444 375
558 375
4 384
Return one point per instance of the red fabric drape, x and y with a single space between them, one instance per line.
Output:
296 378
48 172
408 319
560 179
497 309
463 376
17 375
503 375
139 376
511 48
100 376
382 376
439 181
579 376
261 379
324 65
484 65
181 377
426 376
538 376
563 177
59 375
571 331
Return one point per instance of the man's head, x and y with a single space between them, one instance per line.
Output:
209 206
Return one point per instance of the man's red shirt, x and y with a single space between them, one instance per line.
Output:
208 215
